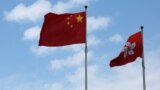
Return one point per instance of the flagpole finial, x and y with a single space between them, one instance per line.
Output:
141 27
85 6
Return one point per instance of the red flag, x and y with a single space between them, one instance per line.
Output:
132 49
63 29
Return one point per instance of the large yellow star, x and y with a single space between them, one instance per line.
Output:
79 18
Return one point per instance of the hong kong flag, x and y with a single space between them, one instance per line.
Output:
63 29
132 49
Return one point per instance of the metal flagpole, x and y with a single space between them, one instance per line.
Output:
143 62
86 50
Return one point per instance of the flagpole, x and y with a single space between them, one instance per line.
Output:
143 62
86 50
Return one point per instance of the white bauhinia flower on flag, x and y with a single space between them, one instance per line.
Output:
129 49
132 49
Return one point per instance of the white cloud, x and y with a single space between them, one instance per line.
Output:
97 23
32 33
61 7
127 77
93 40
76 59
116 38
42 51
78 75
152 60
56 86
38 9
30 13
98 81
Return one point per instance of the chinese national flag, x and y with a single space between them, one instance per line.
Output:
63 29
132 49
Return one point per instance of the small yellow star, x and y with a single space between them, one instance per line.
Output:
79 19
68 18
68 22
71 26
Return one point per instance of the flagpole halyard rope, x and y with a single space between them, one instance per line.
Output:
143 62
86 50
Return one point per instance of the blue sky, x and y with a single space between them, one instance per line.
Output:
25 66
